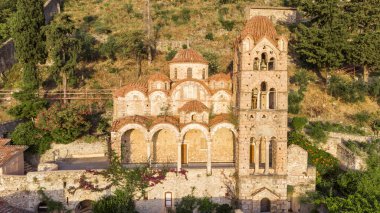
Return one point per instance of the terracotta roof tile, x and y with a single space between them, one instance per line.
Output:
188 56
119 123
259 27
4 141
158 77
219 119
220 77
8 151
139 86
194 106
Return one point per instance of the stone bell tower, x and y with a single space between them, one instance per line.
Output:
260 99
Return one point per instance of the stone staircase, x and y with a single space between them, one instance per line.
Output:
28 168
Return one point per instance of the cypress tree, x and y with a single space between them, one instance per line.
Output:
26 31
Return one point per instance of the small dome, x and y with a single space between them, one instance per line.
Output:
194 106
138 86
259 27
188 56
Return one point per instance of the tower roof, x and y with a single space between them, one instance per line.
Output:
188 56
259 27
158 77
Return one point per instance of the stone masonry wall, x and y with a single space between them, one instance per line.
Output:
78 149
276 14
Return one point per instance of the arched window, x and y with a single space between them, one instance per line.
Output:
204 74
271 64
272 98
256 64
252 151
168 199
189 72
263 86
262 152
264 65
193 117
271 142
254 99
265 205
175 73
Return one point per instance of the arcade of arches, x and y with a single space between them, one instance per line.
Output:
165 146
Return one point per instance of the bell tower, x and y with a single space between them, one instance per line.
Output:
261 99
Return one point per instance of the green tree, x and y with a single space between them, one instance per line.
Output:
63 48
364 21
120 202
134 45
26 30
7 8
322 41
29 105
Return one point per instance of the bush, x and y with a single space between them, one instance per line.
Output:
317 132
64 122
27 134
301 79
212 58
374 89
109 48
334 127
187 204
362 117
170 55
89 19
87 43
227 24
205 205
298 123
294 99
29 107
224 208
120 202
350 92
209 36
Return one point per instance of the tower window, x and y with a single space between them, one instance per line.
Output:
271 64
189 72
263 86
204 74
168 199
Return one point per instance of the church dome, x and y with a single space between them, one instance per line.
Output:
188 56
194 106
259 27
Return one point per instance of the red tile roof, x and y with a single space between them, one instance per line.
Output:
139 86
220 77
188 56
259 27
7 152
4 141
194 106
219 119
158 77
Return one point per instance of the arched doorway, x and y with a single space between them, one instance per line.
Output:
164 148
265 205
42 208
84 206
194 147
223 146
133 147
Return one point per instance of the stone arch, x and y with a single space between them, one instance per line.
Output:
221 102
194 146
133 144
199 127
265 205
85 206
136 103
272 98
158 101
223 143
164 138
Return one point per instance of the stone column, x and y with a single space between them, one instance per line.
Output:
256 158
209 157
179 163
266 158
148 150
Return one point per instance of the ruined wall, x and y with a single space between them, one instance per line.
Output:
77 149
276 14
15 189
51 7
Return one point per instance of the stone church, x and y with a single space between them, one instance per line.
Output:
228 130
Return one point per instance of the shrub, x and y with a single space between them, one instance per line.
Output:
187 204
120 202
224 208
294 99
301 78
213 65
298 123
64 122
205 205
29 107
109 48
317 132
209 36
374 89
27 134
362 117
334 127
376 126
227 24
350 92
170 55
89 19
87 43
